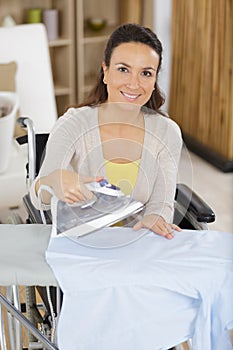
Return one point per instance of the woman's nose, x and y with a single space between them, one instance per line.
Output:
133 82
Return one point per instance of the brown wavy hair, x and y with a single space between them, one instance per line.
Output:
124 34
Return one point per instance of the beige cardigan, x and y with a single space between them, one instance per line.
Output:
75 144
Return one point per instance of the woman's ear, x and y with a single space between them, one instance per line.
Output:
105 68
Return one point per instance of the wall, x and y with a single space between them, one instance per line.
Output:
162 27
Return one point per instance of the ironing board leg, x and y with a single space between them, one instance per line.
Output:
20 317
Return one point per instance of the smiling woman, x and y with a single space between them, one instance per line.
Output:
131 75
120 126
128 35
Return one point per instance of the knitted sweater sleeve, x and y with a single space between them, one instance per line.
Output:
59 151
162 196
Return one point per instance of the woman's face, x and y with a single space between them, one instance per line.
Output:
131 75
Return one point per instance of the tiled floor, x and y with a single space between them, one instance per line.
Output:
214 186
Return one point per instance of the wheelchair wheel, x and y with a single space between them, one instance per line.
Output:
14 219
32 312
37 314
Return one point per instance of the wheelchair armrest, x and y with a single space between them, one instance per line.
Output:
194 204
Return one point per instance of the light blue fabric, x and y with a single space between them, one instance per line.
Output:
147 295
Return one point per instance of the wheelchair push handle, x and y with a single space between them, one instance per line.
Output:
26 122
22 121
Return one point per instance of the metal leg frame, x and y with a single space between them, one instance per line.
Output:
2 331
23 321
14 326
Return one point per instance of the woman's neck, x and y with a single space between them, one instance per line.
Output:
121 114
122 137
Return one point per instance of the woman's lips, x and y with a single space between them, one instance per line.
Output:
130 96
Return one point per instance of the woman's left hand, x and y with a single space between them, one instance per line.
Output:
158 225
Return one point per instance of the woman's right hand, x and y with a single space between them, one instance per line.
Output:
67 185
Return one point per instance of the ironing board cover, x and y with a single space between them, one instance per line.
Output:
22 255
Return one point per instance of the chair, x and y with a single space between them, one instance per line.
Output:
27 45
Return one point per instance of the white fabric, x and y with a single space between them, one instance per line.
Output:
150 294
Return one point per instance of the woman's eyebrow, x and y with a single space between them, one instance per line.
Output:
147 68
127 65
122 63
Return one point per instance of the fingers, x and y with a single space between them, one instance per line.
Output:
163 229
87 179
175 227
158 225
73 188
86 194
70 186
73 195
80 192
166 232
138 226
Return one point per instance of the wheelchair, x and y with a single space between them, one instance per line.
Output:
191 212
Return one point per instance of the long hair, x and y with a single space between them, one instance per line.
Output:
124 34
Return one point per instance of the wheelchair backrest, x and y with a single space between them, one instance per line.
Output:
41 140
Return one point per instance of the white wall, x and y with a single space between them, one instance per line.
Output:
162 27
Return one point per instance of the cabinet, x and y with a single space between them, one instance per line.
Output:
62 50
90 43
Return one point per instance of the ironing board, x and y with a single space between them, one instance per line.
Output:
150 294
22 263
22 255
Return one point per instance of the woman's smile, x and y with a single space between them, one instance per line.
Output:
129 96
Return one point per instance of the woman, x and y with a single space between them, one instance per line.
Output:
120 134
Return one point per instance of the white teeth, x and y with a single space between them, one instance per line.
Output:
130 96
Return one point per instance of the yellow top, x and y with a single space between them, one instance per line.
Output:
123 175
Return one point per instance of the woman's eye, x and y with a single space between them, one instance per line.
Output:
123 69
146 73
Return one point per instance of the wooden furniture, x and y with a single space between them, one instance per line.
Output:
90 44
201 82
77 53
62 50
